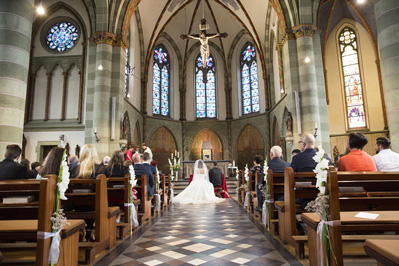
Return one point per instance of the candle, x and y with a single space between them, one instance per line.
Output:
234 163
171 155
95 130
177 154
315 125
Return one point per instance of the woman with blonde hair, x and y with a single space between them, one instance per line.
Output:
89 164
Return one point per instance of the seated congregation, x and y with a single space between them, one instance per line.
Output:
103 204
326 213
301 203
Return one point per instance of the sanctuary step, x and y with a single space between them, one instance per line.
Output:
180 185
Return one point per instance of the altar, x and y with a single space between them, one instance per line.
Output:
188 167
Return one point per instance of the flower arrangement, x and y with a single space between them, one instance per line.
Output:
158 191
59 220
265 192
175 166
132 182
246 176
320 206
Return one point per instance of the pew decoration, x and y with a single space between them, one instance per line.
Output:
171 191
238 183
320 207
59 220
175 166
247 189
158 192
265 192
133 213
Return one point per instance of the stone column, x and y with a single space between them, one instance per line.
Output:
102 94
64 95
15 40
386 14
307 78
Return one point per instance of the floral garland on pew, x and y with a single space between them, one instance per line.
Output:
266 203
133 213
248 191
59 220
321 207
158 191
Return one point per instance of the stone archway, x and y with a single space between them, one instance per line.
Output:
206 134
250 143
162 144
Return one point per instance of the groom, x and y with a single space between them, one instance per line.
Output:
215 177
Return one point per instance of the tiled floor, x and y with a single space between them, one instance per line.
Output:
221 234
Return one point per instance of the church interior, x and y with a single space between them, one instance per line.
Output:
119 73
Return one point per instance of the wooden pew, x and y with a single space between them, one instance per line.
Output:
118 195
386 252
276 187
41 210
288 209
145 206
254 180
383 189
103 216
241 182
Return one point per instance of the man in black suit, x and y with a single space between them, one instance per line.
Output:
9 168
139 170
216 178
304 162
147 163
277 165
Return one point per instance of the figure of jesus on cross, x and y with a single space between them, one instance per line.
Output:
203 38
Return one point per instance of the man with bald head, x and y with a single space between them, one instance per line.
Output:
304 162
140 169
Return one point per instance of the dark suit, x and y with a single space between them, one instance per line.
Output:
153 169
11 170
304 162
216 177
119 170
32 174
144 169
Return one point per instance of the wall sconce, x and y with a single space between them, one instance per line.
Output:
62 137
122 144
315 130
95 134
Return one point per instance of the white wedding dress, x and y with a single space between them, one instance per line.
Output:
200 190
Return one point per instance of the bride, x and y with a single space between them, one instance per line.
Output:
200 190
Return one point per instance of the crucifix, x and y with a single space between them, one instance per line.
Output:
203 38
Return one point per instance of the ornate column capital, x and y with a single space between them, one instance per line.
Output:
103 38
305 30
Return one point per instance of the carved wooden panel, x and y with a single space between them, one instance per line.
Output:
250 143
206 135
162 144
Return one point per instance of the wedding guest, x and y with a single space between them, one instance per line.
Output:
89 165
258 160
147 149
52 163
155 164
9 167
140 170
25 162
129 153
356 160
295 152
34 171
115 167
73 161
304 162
386 160
147 163
276 164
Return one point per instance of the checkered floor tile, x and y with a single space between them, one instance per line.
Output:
220 234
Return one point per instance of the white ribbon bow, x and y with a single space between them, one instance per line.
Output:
55 244
264 214
246 199
172 195
270 201
158 202
322 261
133 214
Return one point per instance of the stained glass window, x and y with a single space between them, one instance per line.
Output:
352 79
249 80
160 87
205 88
62 36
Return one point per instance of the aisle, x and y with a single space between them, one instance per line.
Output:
202 235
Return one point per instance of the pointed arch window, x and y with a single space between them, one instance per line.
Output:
352 78
160 87
249 80
205 88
